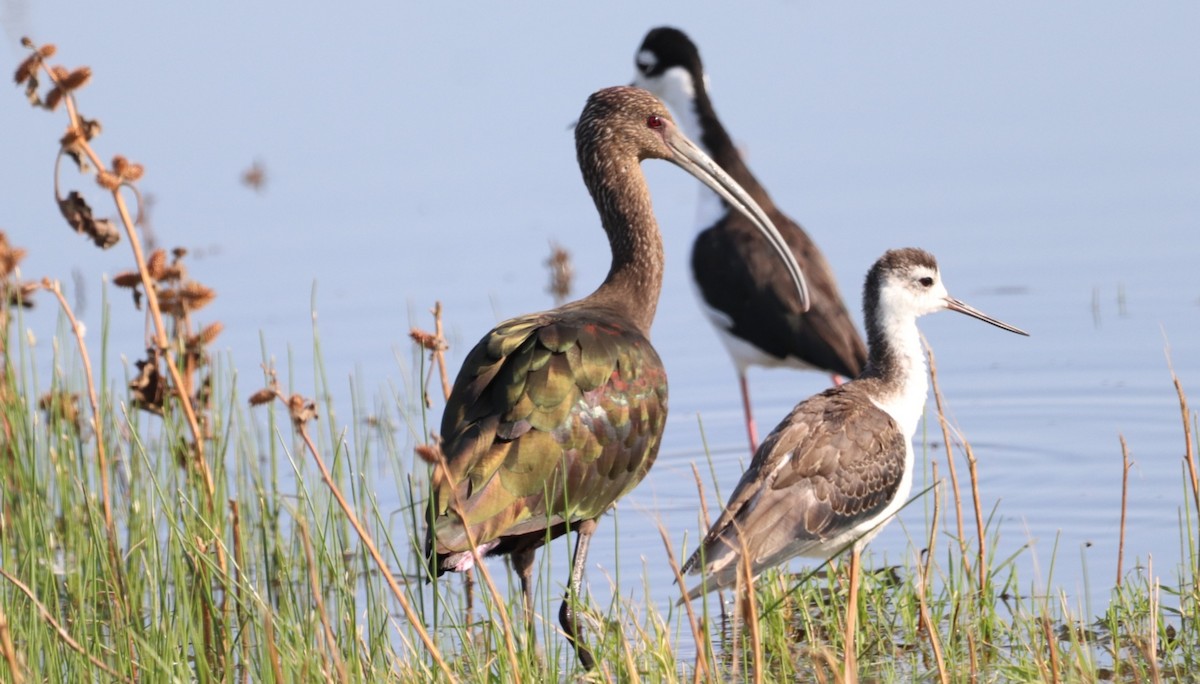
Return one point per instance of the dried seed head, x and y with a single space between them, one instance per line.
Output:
26 69
179 252
156 265
10 257
76 79
301 409
210 333
126 169
430 453
196 296
26 41
561 273
53 98
255 177
21 294
47 50
428 340
147 388
79 215
127 279
91 127
71 137
108 181
263 396
134 173
205 337
64 405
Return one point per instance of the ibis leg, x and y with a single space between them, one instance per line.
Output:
469 591
566 615
522 563
850 675
751 428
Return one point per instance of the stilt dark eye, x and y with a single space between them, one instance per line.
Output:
654 121
926 281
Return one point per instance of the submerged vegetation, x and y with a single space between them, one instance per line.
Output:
167 526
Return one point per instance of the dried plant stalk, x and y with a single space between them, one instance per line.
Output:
315 587
367 541
945 425
982 557
693 622
62 633
1125 465
15 667
110 528
923 584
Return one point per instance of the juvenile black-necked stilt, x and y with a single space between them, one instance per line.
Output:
746 293
841 463
556 415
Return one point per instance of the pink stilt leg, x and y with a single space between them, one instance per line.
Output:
751 429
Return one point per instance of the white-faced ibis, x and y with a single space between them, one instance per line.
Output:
746 293
556 415
841 463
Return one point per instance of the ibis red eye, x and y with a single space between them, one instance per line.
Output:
654 121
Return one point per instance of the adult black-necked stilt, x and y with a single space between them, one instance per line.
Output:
746 293
833 472
556 415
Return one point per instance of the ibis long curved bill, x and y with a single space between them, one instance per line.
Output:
690 158
962 307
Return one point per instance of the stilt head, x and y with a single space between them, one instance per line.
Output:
668 62
905 284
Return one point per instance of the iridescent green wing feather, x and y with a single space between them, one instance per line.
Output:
553 417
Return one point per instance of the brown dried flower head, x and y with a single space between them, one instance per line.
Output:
27 68
10 257
60 404
108 181
76 79
127 279
301 409
196 295
21 294
53 98
79 215
430 453
127 170
209 333
255 177
263 396
428 340
47 50
156 265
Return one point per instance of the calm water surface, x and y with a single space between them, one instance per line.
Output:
1048 158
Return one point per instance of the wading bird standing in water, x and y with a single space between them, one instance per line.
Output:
556 415
743 288
840 465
